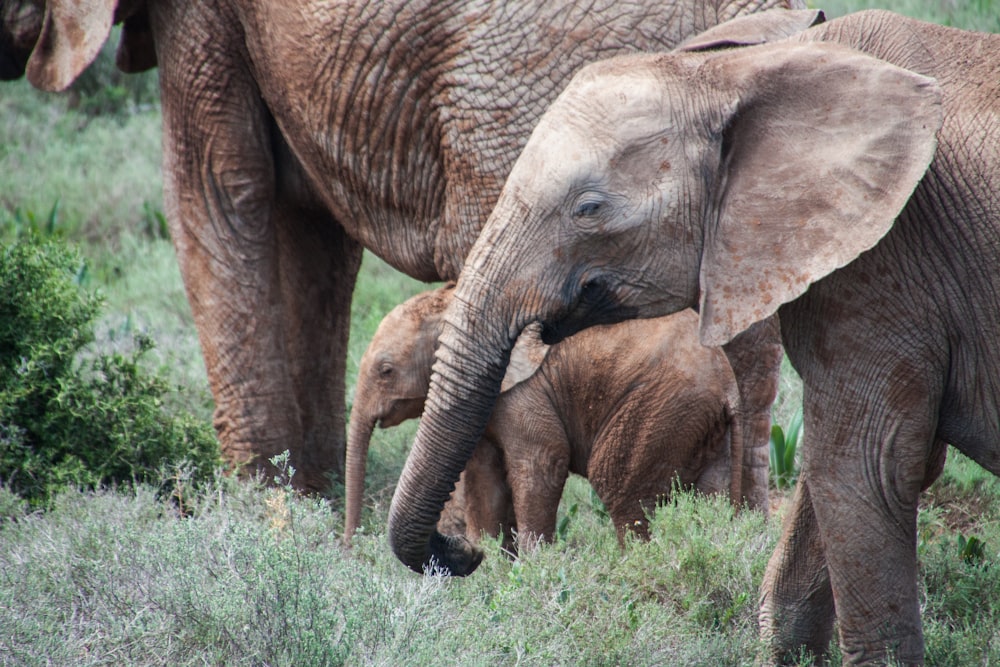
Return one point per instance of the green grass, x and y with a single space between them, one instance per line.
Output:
981 15
257 576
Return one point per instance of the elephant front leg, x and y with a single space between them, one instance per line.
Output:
489 507
866 511
796 602
537 472
317 268
269 281
852 530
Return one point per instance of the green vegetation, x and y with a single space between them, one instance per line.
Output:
257 576
981 15
229 572
783 447
69 420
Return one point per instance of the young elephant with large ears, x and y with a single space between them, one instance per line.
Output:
635 407
827 178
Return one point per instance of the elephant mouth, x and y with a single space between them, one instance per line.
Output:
401 410
596 304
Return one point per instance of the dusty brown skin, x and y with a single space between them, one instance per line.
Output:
635 407
296 133
813 177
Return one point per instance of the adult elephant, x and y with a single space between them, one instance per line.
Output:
826 178
296 133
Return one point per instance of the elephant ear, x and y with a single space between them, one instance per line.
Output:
751 29
73 32
822 147
528 354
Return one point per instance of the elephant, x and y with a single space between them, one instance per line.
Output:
297 133
844 178
635 407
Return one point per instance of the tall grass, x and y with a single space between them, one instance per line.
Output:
248 574
257 576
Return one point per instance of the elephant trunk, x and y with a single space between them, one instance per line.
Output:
358 439
473 351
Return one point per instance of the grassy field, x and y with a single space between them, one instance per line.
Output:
255 575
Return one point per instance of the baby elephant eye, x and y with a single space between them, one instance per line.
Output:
385 370
587 209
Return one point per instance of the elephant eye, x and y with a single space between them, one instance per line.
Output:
587 209
385 370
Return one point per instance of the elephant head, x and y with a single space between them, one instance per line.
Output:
727 181
394 377
53 42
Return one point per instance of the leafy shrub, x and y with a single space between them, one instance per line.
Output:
68 418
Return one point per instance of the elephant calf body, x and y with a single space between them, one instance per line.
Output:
635 407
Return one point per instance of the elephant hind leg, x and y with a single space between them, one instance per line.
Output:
318 266
796 602
281 386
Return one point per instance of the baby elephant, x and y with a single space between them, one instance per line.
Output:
634 407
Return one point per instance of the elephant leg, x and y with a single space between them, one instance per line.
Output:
870 441
864 524
628 514
755 356
537 473
796 602
279 384
489 506
318 265
269 283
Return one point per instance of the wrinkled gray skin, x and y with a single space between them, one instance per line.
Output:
635 407
297 132
858 200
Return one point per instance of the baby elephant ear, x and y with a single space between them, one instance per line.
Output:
751 29
73 33
822 147
528 354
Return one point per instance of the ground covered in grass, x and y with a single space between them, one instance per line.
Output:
237 573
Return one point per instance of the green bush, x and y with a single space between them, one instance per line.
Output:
69 417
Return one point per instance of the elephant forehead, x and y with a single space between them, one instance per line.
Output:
596 120
622 97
